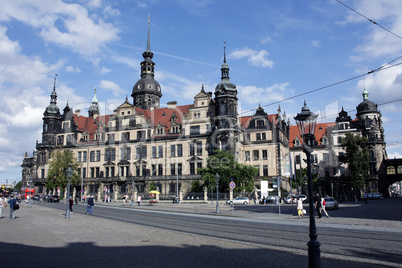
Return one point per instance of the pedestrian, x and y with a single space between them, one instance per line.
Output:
139 200
90 204
323 203
300 207
76 199
12 203
318 204
70 204
2 200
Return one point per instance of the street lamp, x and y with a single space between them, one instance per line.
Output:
217 192
69 174
306 121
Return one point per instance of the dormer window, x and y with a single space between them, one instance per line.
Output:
297 141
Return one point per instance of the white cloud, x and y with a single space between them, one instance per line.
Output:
66 25
394 155
111 86
316 43
72 69
265 40
274 93
254 57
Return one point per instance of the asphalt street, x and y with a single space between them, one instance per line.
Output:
41 235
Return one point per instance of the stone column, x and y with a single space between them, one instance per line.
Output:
205 194
65 193
74 192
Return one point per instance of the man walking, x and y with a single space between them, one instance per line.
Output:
12 203
323 203
318 204
90 204
139 200
1 203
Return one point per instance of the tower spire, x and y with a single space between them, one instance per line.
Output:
148 43
365 92
224 51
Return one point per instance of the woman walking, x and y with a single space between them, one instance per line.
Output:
300 207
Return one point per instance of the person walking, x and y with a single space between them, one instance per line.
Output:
90 204
12 203
318 205
70 204
139 200
2 200
300 208
323 203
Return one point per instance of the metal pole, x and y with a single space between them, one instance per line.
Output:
314 255
177 183
68 200
132 196
217 192
29 196
82 186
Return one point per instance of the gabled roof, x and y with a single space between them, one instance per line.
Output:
90 124
245 120
320 130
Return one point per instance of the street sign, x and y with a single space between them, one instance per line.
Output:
232 185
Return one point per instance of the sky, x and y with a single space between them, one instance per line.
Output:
278 52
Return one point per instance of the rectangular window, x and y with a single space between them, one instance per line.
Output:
172 169
199 148
265 170
110 154
160 151
153 170
154 151
199 165
258 136
42 173
179 169
179 150
138 170
125 136
247 156
121 171
191 149
264 154
112 171
144 152
172 150
107 172
97 172
256 155
84 172
92 156
194 130
92 172
79 157
298 159
125 153
138 155
160 170
110 137
140 134
192 168
97 156
264 136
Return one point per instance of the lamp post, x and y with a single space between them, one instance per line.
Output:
177 183
69 174
306 121
132 197
217 192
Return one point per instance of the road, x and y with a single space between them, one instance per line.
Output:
219 241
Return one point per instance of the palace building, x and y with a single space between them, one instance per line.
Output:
142 143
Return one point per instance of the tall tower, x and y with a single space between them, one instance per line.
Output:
370 125
226 118
94 108
51 120
147 92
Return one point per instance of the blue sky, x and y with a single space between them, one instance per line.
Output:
275 50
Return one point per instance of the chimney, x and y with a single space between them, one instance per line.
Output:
77 112
171 104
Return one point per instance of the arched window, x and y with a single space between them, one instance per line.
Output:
390 170
399 169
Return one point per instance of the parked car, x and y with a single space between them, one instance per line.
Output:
302 196
36 197
54 199
331 203
239 201
272 199
290 199
372 196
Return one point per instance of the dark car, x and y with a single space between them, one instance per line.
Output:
54 199
36 197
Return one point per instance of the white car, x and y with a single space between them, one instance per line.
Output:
331 203
239 201
303 198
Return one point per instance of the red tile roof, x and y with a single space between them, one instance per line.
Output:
320 131
245 120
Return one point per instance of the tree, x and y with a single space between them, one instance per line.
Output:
60 161
224 164
152 186
18 186
357 157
